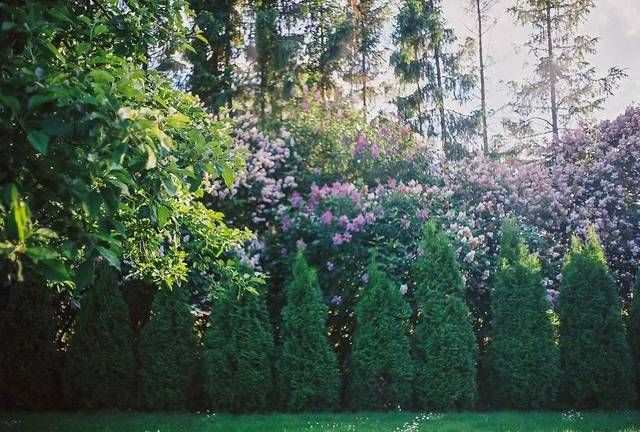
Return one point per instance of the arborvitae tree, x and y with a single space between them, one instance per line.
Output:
168 352
428 62
565 86
633 331
444 344
238 352
213 77
28 358
307 370
99 369
380 368
367 25
522 356
594 353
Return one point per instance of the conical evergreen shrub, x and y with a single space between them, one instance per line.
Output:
633 331
380 368
168 352
307 371
238 353
99 368
594 353
28 357
522 356
445 349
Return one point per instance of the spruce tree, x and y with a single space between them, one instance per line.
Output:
167 352
28 358
633 330
427 60
522 356
594 354
380 368
99 367
444 346
307 370
238 352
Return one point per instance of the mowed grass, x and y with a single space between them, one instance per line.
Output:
627 421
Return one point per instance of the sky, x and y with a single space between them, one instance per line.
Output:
615 22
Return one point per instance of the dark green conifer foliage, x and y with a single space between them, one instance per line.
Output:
168 352
522 357
238 353
633 330
28 357
594 353
380 370
445 345
307 370
99 369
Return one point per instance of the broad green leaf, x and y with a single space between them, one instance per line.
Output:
38 253
228 175
111 257
91 203
151 158
39 140
85 273
201 38
169 186
10 102
7 25
16 222
39 99
178 120
101 76
99 29
163 214
55 270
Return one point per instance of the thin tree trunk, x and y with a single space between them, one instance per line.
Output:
483 99
552 75
440 102
420 118
364 86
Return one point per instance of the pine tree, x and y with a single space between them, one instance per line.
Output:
522 356
594 354
99 368
168 352
307 370
566 86
444 344
28 358
633 331
238 353
380 368
427 61
214 76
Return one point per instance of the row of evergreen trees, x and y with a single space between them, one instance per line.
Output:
429 362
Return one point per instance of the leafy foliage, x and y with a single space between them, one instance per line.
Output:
444 343
238 353
99 364
594 354
307 370
380 368
522 355
29 361
168 352
633 331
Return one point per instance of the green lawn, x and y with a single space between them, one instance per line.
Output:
364 422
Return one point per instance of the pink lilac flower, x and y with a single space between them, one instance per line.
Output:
375 151
286 223
300 244
337 239
365 278
327 217
343 220
336 300
296 200
422 214
330 265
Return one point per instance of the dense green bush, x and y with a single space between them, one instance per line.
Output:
307 370
238 352
100 368
168 352
380 368
445 348
522 356
633 331
28 358
594 354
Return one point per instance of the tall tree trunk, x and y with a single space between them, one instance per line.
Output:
420 118
552 74
483 99
227 59
363 66
440 101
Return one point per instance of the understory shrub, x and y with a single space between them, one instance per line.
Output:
168 352
522 356
380 368
307 371
238 352
445 348
100 367
28 357
594 354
